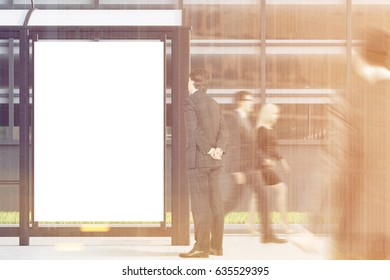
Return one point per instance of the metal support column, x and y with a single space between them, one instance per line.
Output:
24 143
180 197
349 39
11 89
263 55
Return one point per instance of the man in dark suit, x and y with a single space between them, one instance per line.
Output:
206 141
241 149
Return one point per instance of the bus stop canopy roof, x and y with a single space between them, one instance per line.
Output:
92 18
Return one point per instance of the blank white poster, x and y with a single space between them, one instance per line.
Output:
98 131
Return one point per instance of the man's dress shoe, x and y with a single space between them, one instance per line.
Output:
216 252
194 253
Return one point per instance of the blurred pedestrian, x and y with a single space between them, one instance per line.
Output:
270 156
241 153
359 154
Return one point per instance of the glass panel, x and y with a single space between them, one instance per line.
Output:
9 203
138 2
306 22
4 116
223 21
230 71
366 15
4 77
55 2
4 89
9 163
301 122
305 71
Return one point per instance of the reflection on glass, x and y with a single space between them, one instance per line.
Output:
223 21
230 71
305 71
302 122
365 15
306 21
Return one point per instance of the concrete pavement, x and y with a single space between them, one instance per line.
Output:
239 244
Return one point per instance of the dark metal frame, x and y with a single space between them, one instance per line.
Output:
95 4
179 36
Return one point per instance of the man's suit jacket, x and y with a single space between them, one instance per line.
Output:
241 148
205 129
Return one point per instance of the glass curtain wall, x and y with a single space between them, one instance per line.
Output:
287 52
294 53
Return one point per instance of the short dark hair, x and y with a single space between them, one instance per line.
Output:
201 78
241 95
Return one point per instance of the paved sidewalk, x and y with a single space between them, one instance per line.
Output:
238 245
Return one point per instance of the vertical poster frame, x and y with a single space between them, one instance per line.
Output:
180 228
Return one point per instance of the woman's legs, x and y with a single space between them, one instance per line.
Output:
281 203
252 211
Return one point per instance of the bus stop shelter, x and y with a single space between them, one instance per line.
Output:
121 65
